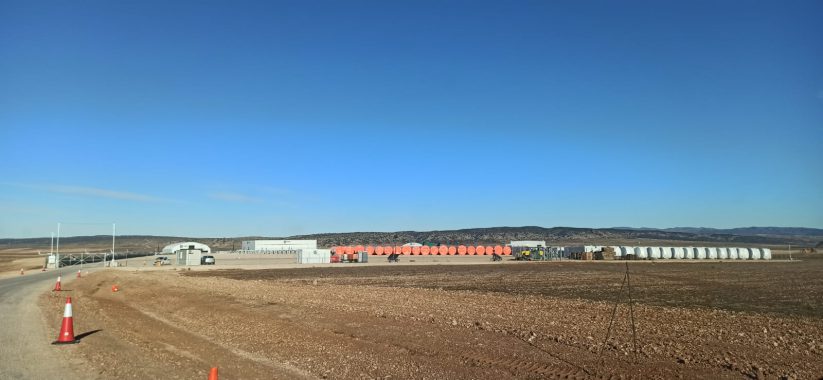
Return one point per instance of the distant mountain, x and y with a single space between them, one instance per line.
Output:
752 231
555 235
806 237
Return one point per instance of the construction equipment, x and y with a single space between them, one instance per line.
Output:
529 253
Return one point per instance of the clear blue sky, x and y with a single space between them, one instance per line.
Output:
278 118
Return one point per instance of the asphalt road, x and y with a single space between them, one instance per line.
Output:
25 343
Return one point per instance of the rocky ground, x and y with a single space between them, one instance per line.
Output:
445 322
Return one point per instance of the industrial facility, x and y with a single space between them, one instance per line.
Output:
277 246
187 253
692 253
538 250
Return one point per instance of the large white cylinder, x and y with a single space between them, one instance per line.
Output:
767 254
711 253
733 254
678 252
756 255
641 252
723 253
700 253
654 253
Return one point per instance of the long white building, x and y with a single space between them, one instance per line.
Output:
277 245
185 246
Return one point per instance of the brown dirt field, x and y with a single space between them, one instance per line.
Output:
529 321
12 260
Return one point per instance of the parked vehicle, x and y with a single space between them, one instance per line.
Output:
207 260
162 260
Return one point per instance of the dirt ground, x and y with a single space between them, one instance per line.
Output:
519 321
12 260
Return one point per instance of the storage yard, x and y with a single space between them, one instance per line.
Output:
510 320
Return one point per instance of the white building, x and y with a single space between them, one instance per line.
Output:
278 245
184 246
528 243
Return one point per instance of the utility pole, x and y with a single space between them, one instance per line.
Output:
113 232
57 254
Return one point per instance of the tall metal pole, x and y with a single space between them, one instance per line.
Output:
113 232
57 253
52 244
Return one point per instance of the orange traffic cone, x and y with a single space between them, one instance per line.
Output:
213 373
114 288
57 287
78 274
67 328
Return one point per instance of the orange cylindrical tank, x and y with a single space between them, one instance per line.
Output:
398 249
359 248
406 250
370 250
471 250
498 249
416 250
442 250
461 249
388 249
481 250
349 250
426 250
507 250
489 250
452 250
379 250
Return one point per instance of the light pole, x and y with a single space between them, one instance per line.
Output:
57 253
113 231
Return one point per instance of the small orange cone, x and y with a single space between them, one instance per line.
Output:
78 274
57 287
114 288
67 328
213 373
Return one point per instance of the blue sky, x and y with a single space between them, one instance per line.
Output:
279 118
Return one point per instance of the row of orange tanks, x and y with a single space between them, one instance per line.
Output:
425 250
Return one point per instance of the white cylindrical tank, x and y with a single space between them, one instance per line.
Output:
654 253
641 252
700 253
766 253
744 254
688 253
756 255
627 250
617 251
665 252
711 253
722 253
678 252
733 254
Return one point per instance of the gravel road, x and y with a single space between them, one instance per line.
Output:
26 352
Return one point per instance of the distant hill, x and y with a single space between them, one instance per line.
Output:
800 237
556 235
753 231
